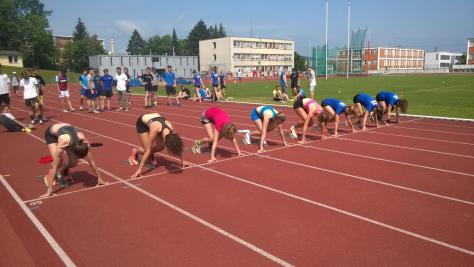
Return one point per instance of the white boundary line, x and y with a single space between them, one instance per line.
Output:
183 212
445 125
423 138
437 117
434 131
51 241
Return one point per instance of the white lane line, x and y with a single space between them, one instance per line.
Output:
409 148
353 215
49 238
424 138
434 131
445 125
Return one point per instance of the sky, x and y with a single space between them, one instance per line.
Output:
425 24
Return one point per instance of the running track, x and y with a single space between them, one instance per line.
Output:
394 196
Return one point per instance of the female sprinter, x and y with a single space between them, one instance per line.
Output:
266 118
63 138
155 133
370 109
306 108
389 100
222 128
334 107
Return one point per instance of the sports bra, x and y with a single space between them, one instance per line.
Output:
265 108
71 131
162 121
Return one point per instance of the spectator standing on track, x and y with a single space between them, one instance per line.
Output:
312 80
30 95
147 81
63 91
15 84
90 92
84 87
283 83
222 83
98 91
295 82
4 88
156 85
129 88
217 124
170 85
122 81
41 88
107 82
197 81
215 85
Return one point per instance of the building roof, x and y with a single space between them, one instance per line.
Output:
9 52
253 38
70 37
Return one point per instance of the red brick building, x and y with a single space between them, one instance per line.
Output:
470 51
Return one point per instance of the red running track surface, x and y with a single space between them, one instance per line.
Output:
399 195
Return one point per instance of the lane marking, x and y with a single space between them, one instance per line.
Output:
434 131
424 138
49 238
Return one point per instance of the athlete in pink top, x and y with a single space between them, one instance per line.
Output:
306 108
222 128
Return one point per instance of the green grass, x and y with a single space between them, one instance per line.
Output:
436 95
48 75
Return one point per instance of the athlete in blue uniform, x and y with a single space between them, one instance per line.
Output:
266 118
84 86
217 95
197 81
389 100
334 107
370 108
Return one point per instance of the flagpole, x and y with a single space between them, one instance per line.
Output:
348 36
327 7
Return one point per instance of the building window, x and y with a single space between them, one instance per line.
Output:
445 57
10 59
111 64
214 44
214 57
237 44
121 61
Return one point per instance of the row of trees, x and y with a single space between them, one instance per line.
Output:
24 28
169 44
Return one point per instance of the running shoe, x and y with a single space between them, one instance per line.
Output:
41 121
248 138
65 111
81 108
95 111
293 134
133 159
72 109
197 147
33 122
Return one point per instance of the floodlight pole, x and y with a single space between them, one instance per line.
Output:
348 36
327 7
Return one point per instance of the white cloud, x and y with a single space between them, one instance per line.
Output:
127 26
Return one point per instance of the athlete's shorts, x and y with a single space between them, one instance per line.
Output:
30 102
355 99
204 120
90 95
83 91
254 115
107 93
99 92
155 88
49 137
63 94
141 126
298 103
311 88
170 90
5 99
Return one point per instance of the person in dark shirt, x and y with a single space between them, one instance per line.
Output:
147 81
184 93
294 81
107 81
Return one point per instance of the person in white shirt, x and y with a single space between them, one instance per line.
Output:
30 88
122 89
4 88
312 80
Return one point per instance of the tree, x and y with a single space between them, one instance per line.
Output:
136 44
300 64
76 54
24 27
221 31
213 32
199 32
80 31
462 59
159 45
175 43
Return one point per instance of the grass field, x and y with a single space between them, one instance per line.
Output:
446 95
435 95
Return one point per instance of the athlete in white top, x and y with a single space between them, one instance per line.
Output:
312 80
30 95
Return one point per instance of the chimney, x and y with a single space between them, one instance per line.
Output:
112 45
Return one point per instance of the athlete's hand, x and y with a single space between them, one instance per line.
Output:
261 150
137 174
212 160
302 142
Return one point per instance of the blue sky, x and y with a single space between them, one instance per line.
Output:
424 24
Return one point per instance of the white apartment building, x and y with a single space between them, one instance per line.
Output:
243 56
441 60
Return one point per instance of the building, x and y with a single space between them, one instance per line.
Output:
60 41
470 52
380 60
441 60
244 56
182 65
11 58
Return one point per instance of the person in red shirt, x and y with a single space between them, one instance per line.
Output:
63 91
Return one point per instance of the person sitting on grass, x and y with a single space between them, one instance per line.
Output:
204 94
155 134
184 93
300 93
334 107
222 128
266 118
11 124
389 101
63 139
306 108
278 95
366 107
